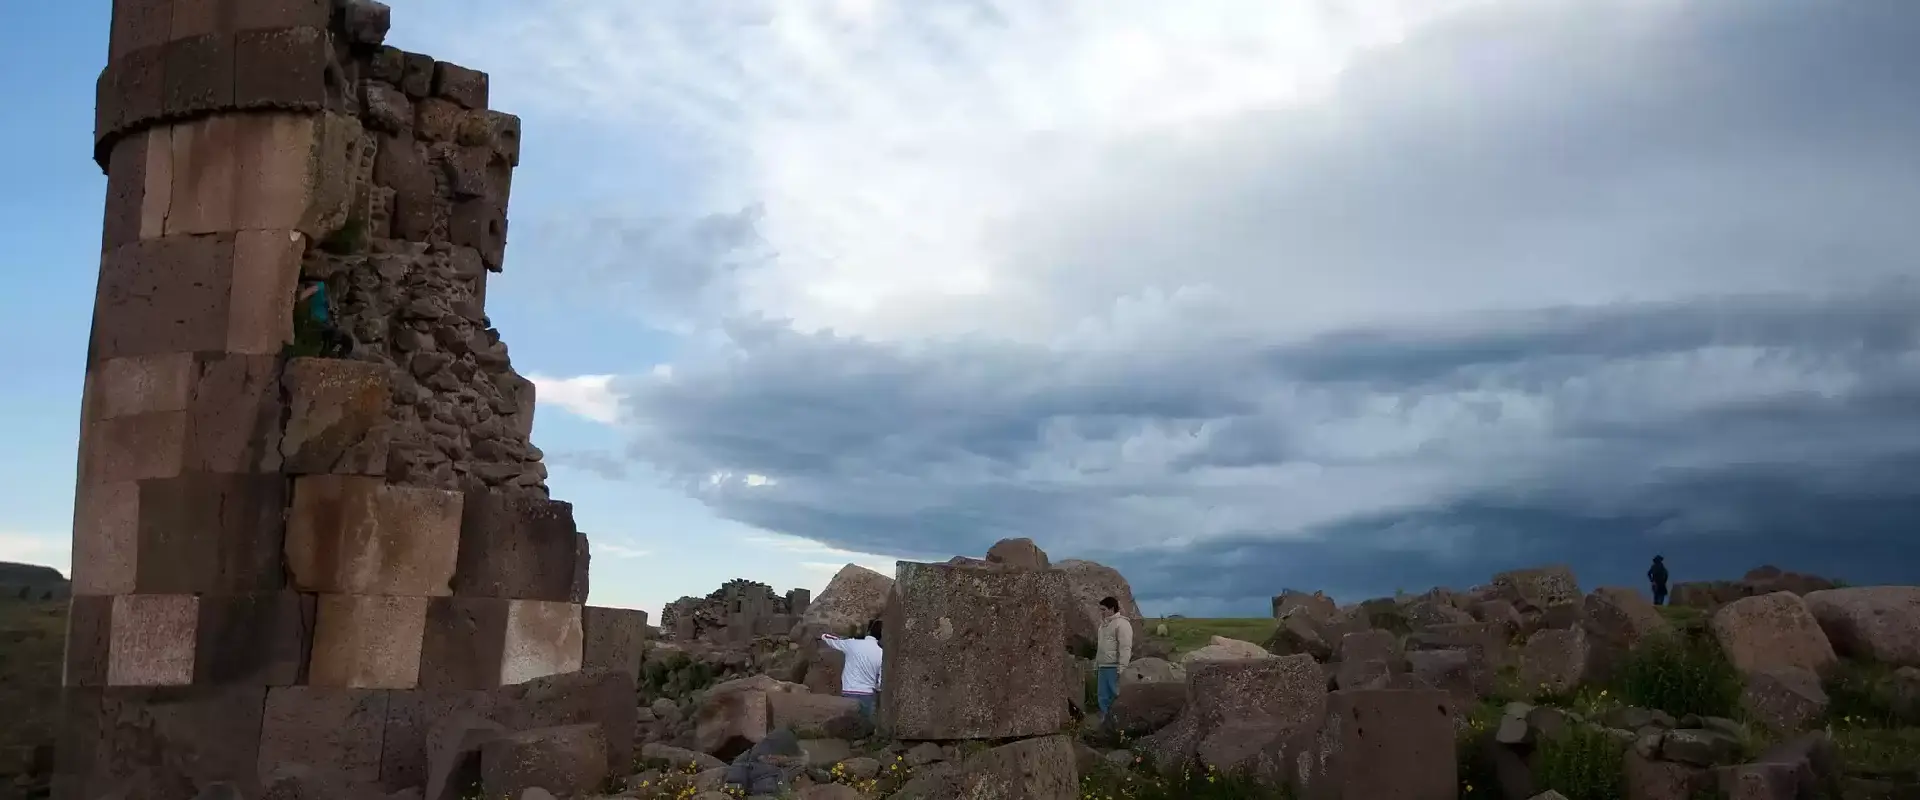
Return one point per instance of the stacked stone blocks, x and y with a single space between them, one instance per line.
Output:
252 588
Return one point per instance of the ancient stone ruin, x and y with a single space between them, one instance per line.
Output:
293 568
737 611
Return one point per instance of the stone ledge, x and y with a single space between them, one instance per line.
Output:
359 535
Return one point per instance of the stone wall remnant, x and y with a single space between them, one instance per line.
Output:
284 562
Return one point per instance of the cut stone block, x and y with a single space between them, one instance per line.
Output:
124 387
582 563
367 642
106 518
543 638
601 697
324 727
137 447
199 75
339 418
138 180
233 421
411 718
465 643
468 87
615 638
358 535
260 639
266 277
977 655
204 172
161 741
139 24
152 640
89 640
165 295
516 545
202 533
281 69
1411 730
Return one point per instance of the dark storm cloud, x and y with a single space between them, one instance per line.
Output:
1701 233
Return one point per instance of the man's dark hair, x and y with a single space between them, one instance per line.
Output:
873 628
1110 604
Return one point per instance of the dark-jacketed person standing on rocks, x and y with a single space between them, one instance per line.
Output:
1115 649
860 678
1657 574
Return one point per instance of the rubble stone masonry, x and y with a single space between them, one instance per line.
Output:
281 559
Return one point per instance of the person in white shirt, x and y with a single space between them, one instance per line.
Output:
1114 650
860 678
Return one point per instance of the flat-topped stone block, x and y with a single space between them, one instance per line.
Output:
151 639
484 642
359 535
258 639
209 533
367 642
324 727
338 422
613 638
196 292
976 654
516 545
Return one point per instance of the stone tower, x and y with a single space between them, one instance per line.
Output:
281 559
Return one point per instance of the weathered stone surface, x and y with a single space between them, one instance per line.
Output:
1554 660
164 295
1878 623
807 712
731 720
516 545
157 742
203 533
266 275
233 421
89 640
1464 674
1152 670
569 759
330 728
615 638
1240 711
467 87
1615 620
259 639
1772 631
1784 698
413 728
338 417
1221 648
366 21
123 387
199 74
465 643
601 697
1539 587
854 596
358 535
1651 779
1143 708
1087 583
480 223
1019 553
368 642
281 69
1034 769
973 654
1381 743
152 639
1317 605
106 518
542 638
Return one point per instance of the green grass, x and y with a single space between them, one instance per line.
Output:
32 643
1585 763
1192 634
1680 675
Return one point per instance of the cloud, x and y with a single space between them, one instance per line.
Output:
35 548
588 396
1236 295
602 547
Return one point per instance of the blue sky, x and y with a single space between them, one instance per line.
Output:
1234 295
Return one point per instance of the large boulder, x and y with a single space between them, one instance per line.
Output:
1317 605
1017 554
1877 623
1239 714
1615 620
854 596
974 653
1152 670
1087 583
1554 660
570 760
1041 768
1143 708
733 718
1221 648
1379 743
1538 588
1772 631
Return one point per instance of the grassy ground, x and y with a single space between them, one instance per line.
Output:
32 637
1191 634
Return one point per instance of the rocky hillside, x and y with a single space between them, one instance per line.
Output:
32 582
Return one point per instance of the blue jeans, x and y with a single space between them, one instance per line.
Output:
1108 687
866 704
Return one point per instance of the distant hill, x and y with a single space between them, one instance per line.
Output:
32 582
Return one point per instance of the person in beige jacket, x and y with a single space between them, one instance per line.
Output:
1114 650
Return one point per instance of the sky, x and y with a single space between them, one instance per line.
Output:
1233 295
